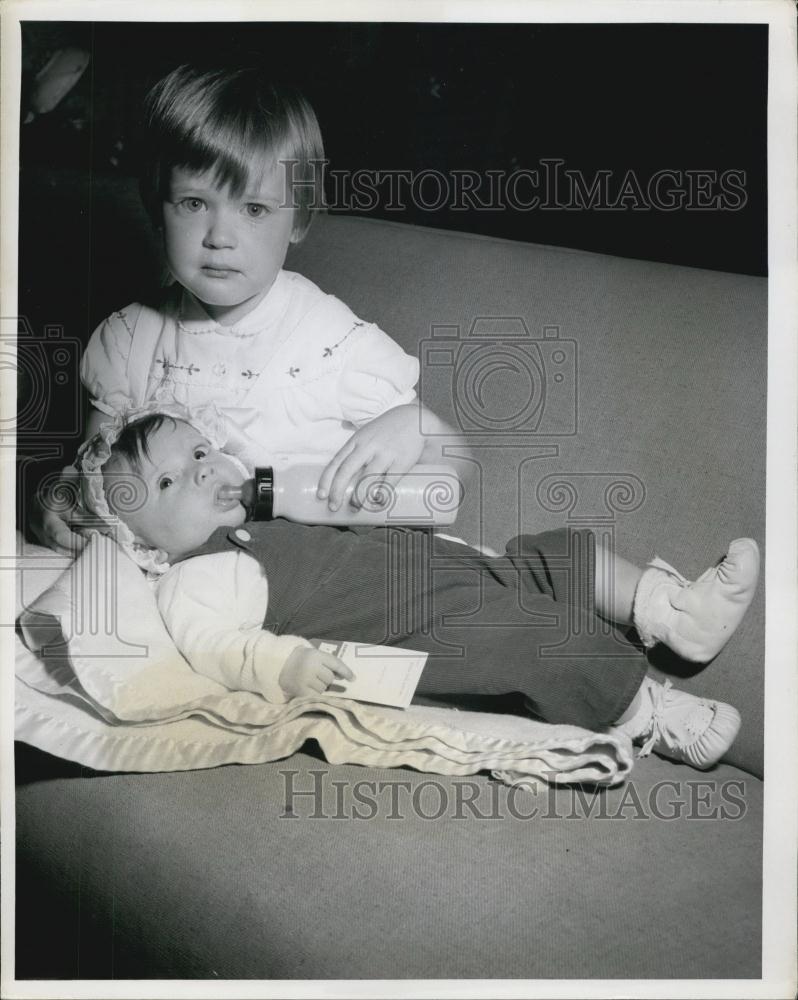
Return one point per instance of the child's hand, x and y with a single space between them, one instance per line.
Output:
309 671
391 443
51 510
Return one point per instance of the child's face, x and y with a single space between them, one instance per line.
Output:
181 478
227 251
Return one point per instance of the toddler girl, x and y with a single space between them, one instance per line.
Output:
231 179
242 602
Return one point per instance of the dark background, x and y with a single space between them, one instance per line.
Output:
465 97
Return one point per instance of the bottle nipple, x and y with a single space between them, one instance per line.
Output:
228 492
244 493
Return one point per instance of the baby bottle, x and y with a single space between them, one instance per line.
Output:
427 495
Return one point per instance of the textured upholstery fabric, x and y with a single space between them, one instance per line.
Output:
196 875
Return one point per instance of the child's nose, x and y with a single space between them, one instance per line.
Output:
220 233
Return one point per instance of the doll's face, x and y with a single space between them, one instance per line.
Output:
227 250
176 489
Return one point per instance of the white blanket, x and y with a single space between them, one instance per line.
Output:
99 681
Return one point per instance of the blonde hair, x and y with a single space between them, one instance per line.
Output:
231 121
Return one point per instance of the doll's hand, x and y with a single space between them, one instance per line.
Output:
390 444
310 671
51 509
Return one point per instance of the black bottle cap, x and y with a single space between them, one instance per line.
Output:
262 508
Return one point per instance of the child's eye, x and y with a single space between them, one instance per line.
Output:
165 482
192 204
256 211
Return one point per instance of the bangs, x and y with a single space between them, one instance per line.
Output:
232 124
234 147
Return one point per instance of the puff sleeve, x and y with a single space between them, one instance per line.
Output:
377 375
213 607
104 369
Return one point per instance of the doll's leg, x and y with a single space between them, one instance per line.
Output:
615 585
679 725
578 677
522 623
593 684
695 619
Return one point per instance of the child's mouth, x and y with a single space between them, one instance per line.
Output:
219 272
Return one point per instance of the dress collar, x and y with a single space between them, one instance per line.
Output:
193 318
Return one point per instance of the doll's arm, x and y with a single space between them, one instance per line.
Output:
213 607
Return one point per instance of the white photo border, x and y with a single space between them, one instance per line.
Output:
781 688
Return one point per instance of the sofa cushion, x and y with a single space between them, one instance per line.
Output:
204 875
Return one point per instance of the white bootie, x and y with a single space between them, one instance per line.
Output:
696 619
682 726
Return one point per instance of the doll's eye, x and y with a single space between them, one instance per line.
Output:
200 453
165 482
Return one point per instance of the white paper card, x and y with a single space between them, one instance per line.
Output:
384 675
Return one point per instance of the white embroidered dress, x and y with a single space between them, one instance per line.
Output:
295 376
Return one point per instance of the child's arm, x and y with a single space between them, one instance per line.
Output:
393 443
395 431
214 606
